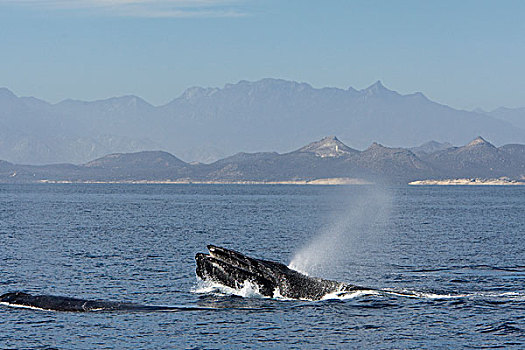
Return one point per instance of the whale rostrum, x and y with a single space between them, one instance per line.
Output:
233 269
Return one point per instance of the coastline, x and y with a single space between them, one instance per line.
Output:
468 182
326 181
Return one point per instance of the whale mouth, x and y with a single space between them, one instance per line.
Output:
235 270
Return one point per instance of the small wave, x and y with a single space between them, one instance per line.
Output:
422 295
349 295
504 328
480 267
429 295
515 296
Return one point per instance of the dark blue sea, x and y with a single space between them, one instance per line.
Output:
450 262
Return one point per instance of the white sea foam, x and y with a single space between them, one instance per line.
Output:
518 296
423 295
428 295
278 296
349 295
248 289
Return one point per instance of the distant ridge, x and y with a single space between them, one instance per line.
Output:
481 158
515 116
325 161
205 124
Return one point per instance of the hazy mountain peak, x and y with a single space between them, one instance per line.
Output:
419 95
131 100
377 85
329 146
432 143
377 89
6 93
375 145
478 141
124 101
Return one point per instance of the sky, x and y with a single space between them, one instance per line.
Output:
466 54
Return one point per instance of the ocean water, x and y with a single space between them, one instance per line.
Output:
449 262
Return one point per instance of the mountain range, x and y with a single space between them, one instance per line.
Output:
207 124
327 158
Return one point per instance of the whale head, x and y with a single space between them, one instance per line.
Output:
233 269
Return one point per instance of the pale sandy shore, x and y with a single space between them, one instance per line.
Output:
328 181
469 182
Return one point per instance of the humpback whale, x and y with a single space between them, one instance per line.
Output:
60 303
234 270
224 266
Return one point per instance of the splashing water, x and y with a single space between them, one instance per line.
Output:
248 289
355 227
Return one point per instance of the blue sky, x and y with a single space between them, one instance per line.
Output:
463 53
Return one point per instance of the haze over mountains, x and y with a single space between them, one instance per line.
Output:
206 124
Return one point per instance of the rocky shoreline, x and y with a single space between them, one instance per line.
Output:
469 182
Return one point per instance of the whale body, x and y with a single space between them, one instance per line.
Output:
233 269
60 303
